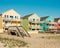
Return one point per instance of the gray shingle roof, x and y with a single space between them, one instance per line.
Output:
56 19
26 17
43 18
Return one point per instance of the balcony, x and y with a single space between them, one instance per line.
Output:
34 21
15 20
51 27
50 22
35 27
9 19
11 25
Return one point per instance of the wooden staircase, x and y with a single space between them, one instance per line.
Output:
19 30
22 29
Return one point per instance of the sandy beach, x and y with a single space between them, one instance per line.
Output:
41 40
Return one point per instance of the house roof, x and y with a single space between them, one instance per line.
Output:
56 19
43 18
26 17
0 14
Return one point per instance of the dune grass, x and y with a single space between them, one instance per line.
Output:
53 37
25 24
11 43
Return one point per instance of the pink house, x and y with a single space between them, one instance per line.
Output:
57 24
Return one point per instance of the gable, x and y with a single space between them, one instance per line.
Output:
26 17
11 12
43 18
34 16
50 19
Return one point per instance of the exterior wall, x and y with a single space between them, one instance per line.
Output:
1 25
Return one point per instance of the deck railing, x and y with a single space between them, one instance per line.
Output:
9 19
34 21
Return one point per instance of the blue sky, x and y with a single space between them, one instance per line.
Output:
25 7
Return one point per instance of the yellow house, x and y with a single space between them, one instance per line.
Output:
9 18
1 24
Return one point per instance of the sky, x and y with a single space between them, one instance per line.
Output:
26 7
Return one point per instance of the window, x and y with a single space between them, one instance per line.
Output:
3 20
6 22
52 24
6 28
7 16
33 19
18 22
11 17
37 24
29 22
33 29
38 29
49 20
33 23
48 24
16 17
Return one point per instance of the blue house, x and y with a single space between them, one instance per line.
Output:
46 23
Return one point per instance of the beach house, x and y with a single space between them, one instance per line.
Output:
9 18
33 21
47 23
57 24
